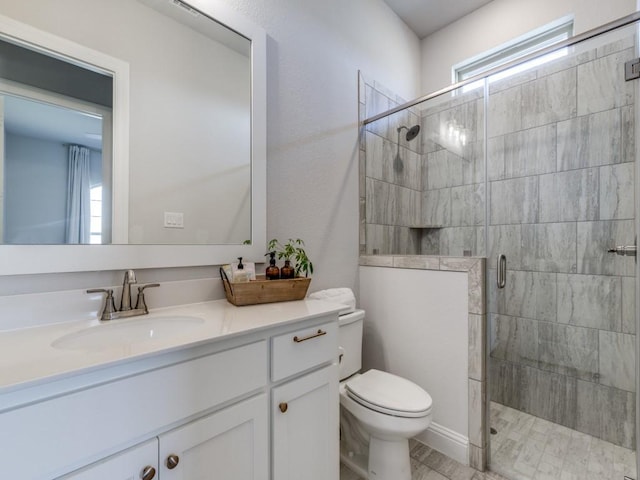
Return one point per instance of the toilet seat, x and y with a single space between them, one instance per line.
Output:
389 394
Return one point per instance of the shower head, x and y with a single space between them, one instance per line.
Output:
411 132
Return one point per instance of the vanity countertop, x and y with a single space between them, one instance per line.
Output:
31 359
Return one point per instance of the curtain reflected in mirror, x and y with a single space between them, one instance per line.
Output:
78 216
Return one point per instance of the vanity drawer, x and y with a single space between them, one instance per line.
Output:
303 349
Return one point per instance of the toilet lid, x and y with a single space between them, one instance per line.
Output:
390 394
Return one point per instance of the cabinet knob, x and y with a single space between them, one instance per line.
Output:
283 407
148 473
172 461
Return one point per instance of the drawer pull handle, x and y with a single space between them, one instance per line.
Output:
148 473
319 333
283 407
172 461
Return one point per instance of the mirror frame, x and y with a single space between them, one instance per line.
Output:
40 259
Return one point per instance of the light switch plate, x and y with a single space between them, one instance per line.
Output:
173 220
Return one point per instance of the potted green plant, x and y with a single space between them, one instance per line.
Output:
293 251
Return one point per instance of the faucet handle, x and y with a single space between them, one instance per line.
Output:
148 285
109 303
141 302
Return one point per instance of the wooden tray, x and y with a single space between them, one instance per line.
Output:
265 291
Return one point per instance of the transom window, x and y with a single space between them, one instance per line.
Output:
518 48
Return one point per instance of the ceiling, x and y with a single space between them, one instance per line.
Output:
47 122
427 16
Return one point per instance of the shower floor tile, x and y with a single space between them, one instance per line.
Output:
530 448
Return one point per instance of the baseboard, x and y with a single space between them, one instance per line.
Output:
446 441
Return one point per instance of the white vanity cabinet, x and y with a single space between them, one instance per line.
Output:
305 427
69 431
230 444
209 410
139 462
305 409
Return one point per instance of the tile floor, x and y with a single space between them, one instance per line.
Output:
429 464
526 448
530 448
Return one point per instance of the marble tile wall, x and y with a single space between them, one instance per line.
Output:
561 191
390 176
426 196
453 187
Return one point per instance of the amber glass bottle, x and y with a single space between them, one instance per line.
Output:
272 272
287 271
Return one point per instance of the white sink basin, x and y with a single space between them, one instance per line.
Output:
127 332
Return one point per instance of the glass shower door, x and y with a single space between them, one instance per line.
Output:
561 156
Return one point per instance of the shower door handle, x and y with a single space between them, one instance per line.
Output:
502 270
626 250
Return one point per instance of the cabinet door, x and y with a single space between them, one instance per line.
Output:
137 463
306 427
232 444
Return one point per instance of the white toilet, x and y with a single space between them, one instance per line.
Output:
378 409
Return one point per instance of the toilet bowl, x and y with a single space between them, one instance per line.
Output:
386 410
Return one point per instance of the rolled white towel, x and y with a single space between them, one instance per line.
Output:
343 296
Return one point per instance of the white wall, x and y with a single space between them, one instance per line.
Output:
416 326
202 104
36 181
36 173
314 52
501 21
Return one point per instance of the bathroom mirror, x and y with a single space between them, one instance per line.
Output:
188 139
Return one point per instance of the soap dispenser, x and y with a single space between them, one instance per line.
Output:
239 274
272 272
287 271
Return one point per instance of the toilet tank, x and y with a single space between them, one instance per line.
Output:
350 343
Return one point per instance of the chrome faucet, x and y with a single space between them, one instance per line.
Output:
109 311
